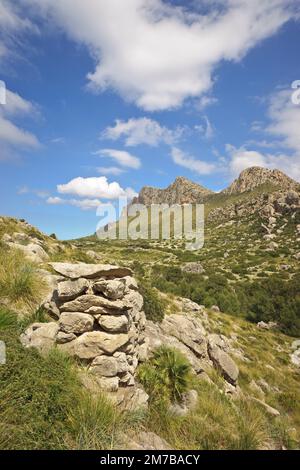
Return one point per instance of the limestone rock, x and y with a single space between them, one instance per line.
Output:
223 361
33 252
269 409
90 271
75 322
105 366
95 343
40 336
131 398
62 338
114 323
108 384
69 290
94 304
112 289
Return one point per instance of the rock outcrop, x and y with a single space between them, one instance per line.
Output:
253 177
99 321
182 191
189 333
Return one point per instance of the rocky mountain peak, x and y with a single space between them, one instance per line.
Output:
181 191
255 176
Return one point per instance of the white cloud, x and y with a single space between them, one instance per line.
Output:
12 24
242 158
157 55
121 157
285 120
205 101
12 136
15 136
199 166
110 170
94 187
206 129
283 127
84 204
143 131
55 201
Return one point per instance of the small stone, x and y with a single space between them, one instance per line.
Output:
62 338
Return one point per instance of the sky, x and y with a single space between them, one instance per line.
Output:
104 97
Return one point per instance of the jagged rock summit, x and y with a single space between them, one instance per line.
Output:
181 191
255 176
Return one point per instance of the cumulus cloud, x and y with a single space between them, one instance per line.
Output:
94 187
143 131
157 55
187 161
283 127
121 157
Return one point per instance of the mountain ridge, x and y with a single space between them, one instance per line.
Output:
183 190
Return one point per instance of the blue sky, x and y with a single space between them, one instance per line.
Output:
106 96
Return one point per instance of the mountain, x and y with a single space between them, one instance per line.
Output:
181 191
255 176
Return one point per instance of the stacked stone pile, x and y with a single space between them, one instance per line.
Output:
99 321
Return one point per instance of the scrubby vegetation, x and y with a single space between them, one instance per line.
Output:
271 299
153 305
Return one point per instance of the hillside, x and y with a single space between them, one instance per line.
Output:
227 314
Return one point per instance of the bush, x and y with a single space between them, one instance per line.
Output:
167 375
153 305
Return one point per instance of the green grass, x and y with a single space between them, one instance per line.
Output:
43 405
20 284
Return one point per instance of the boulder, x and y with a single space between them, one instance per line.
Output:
32 252
75 322
114 323
69 290
224 363
40 336
95 343
112 289
90 271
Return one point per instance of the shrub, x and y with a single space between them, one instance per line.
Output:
153 305
166 375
